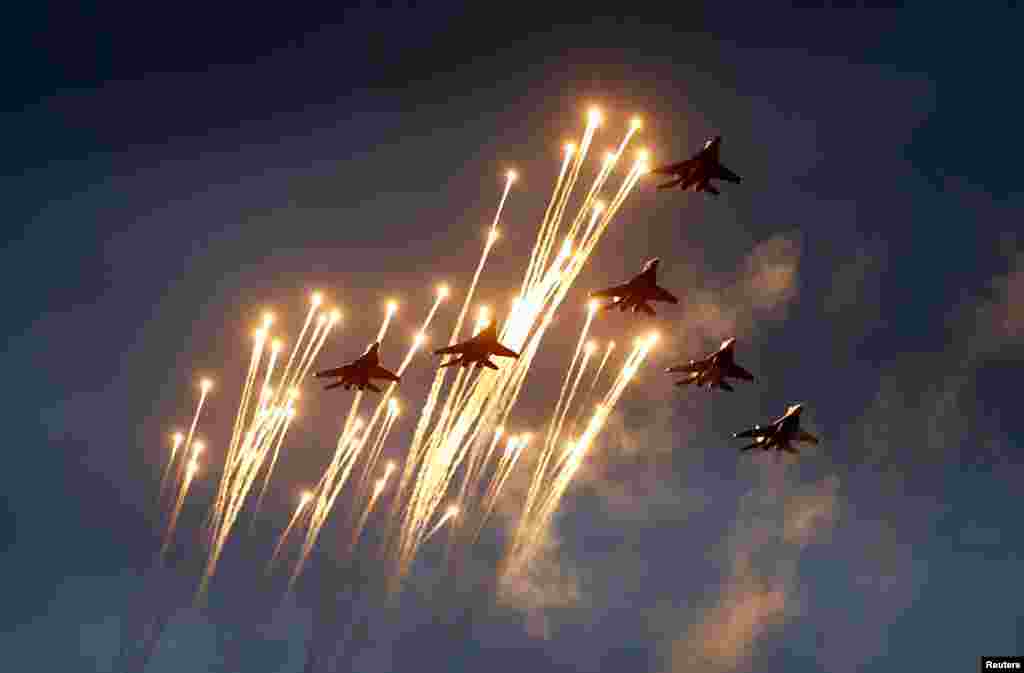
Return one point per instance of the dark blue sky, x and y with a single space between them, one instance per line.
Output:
168 172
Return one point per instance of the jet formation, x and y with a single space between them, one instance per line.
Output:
478 350
635 294
780 433
359 372
710 372
698 171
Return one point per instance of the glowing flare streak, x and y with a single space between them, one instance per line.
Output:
190 473
447 515
378 488
569 399
175 445
284 536
273 462
543 224
506 464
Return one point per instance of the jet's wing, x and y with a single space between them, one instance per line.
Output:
804 436
337 371
623 290
661 294
723 173
503 352
379 372
756 431
457 348
738 372
691 366
674 169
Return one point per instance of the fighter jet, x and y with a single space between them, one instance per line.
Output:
359 372
635 294
698 171
478 350
712 370
780 433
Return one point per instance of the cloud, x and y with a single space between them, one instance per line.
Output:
774 525
718 306
542 584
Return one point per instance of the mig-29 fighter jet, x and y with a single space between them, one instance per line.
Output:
780 433
359 372
711 371
478 350
698 171
635 294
